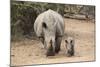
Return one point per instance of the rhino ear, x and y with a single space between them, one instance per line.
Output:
44 25
66 41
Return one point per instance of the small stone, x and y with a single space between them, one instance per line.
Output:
12 55
30 54
37 55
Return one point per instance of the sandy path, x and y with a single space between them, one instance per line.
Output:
30 52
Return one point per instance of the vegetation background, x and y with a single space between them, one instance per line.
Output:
23 15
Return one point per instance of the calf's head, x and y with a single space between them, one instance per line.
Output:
70 46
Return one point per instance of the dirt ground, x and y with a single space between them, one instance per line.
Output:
31 52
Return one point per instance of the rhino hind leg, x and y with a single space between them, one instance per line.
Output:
57 45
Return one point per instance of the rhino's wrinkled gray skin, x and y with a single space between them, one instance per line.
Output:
70 43
49 27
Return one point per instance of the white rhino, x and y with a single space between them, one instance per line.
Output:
49 27
70 43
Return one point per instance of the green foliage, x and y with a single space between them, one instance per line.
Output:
23 15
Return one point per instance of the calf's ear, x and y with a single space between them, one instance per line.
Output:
72 42
44 25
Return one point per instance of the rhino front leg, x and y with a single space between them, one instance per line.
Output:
42 40
58 43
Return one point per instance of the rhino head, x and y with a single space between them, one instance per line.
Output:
49 39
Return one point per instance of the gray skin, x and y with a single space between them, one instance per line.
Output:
70 43
49 27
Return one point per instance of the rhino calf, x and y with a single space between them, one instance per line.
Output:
49 27
69 43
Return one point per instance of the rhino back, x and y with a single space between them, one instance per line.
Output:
51 18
